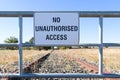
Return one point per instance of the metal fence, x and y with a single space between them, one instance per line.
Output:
98 14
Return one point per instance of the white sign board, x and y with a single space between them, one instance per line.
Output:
56 29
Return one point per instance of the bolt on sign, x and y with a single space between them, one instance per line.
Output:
56 29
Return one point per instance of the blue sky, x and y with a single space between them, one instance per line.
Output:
89 27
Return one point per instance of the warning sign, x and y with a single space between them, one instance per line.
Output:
56 29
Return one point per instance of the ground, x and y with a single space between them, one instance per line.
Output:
9 58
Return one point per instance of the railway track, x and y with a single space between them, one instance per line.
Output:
91 68
34 66
87 66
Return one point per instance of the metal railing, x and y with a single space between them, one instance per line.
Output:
99 14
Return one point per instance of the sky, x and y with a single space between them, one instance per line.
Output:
89 27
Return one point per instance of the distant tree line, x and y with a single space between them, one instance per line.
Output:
13 39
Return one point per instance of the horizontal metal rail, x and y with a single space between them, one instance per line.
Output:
60 75
16 13
10 44
81 13
83 44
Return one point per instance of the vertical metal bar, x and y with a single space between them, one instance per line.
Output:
20 45
101 45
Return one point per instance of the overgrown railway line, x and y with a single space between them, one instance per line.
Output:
32 67
54 62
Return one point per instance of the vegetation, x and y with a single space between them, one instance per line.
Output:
9 58
111 57
11 39
59 63
31 40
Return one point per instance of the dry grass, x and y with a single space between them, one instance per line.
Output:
111 56
90 55
8 57
30 55
111 59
